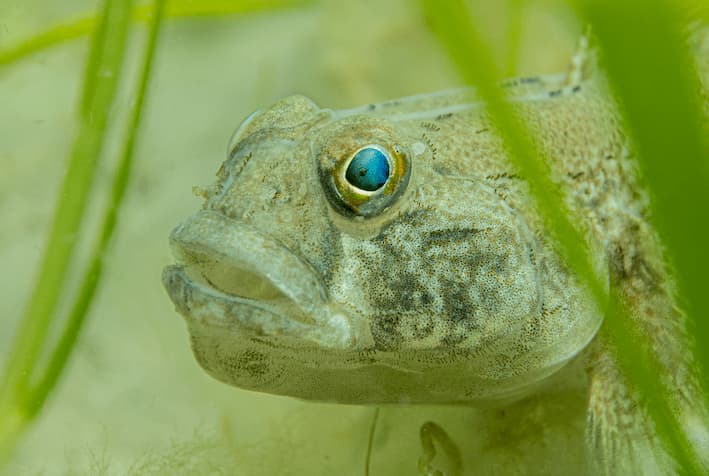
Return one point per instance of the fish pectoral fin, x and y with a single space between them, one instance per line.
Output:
618 437
432 434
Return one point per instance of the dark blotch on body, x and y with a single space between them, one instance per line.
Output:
398 290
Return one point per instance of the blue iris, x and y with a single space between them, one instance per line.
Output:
369 169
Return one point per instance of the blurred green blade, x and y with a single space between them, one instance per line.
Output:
25 386
649 67
450 21
80 27
101 82
94 272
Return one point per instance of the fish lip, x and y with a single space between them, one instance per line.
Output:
206 307
303 313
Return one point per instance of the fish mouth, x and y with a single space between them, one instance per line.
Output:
232 278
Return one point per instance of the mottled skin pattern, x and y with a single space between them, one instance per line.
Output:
448 289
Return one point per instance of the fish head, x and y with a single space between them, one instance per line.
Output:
333 261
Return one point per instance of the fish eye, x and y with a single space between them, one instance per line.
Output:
369 169
368 179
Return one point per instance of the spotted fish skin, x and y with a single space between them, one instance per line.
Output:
442 286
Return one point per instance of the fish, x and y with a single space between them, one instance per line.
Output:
392 254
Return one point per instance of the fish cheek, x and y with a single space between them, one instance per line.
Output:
440 283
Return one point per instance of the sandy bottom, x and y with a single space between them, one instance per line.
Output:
133 400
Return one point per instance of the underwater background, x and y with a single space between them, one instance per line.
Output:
132 399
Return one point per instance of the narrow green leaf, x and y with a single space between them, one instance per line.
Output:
20 397
94 272
650 69
71 203
84 25
451 22
514 36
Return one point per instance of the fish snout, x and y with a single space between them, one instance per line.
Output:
230 275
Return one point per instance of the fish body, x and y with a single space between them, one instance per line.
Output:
392 253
